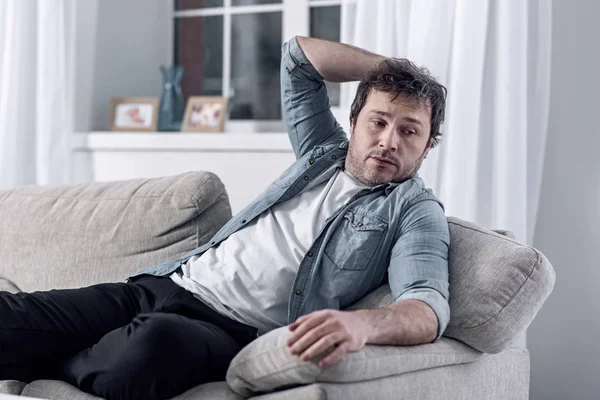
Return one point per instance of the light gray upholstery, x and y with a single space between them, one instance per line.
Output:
55 390
267 363
497 286
8 286
214 390
72 236
503 376
48 389
11 387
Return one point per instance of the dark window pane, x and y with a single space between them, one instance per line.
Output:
253 2
199 49
325 24
191 4
255 56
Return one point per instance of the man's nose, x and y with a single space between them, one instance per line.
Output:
387 141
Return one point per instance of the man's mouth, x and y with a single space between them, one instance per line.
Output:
382 160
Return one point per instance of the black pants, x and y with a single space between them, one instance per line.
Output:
145 339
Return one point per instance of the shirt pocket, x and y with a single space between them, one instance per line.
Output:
356 240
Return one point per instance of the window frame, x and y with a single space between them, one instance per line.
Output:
295 21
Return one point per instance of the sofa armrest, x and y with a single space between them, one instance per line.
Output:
266 364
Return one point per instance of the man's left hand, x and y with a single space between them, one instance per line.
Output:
313 334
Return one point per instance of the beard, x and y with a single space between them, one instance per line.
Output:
356 164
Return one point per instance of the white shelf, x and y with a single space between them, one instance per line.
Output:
181 142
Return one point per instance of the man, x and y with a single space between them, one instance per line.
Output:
342 219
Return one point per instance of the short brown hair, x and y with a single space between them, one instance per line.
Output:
401 77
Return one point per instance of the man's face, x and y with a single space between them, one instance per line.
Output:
388 140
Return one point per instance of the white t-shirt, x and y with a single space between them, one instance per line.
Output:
249 276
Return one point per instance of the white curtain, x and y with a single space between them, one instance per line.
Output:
37 83
494 58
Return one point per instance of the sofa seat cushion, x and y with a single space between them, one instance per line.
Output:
213 390
52 389
266 364
55 390
105 231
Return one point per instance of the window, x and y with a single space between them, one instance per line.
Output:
325 23
232 48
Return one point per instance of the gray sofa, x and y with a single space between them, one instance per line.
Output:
73 236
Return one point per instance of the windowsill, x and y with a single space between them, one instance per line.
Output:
180 141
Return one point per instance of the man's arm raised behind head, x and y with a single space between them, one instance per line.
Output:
306 107
338 62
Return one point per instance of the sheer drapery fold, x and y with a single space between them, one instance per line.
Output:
37 75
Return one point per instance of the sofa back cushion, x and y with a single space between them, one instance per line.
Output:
497 286
73 236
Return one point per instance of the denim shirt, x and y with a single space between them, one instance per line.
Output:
394 231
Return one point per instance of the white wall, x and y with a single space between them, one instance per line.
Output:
85 52
564 339
122 51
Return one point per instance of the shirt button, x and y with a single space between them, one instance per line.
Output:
306 178
309 254
298 291
212 243
334 157
360 224
244 221
311 162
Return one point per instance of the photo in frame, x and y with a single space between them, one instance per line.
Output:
204 114
138 114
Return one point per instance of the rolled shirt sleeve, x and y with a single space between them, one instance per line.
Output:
419 261
306 107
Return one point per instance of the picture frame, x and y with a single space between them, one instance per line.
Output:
205 114
134 114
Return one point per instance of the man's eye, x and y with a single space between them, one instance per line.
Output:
410 132
378 123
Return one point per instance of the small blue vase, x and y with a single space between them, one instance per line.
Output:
172 106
